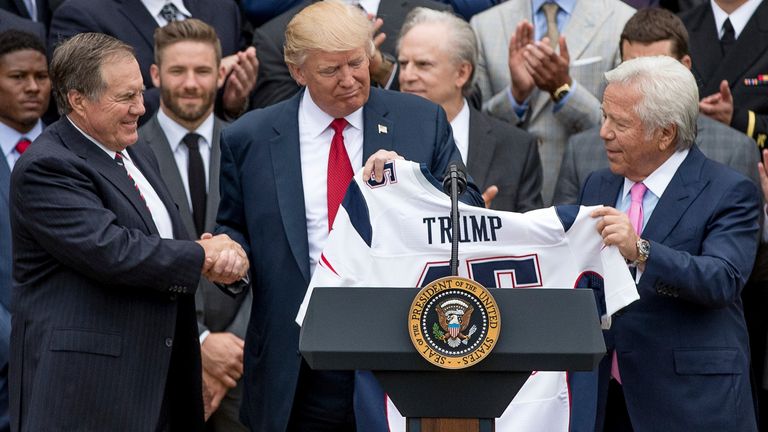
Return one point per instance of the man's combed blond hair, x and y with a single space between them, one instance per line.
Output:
329 26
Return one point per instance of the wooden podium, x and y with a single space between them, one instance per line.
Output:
366 329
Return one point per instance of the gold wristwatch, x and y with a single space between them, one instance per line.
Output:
560 92
643 250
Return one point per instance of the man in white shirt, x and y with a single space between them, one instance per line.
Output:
184 136
438 56
285 170
104 334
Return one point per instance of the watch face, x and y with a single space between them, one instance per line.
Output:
643 249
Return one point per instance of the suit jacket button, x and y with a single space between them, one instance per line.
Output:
169 342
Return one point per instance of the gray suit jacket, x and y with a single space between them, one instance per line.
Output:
585 153
503 155
592 34
216 311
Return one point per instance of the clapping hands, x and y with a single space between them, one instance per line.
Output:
225 260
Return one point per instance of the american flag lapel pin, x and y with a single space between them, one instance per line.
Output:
382 129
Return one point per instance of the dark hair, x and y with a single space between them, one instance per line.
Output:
18 40
654 25
76 65
186 30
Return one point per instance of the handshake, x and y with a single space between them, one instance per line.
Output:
225 260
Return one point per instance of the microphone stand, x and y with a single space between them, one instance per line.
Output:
454 184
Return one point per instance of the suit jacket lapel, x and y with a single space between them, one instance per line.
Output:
159 143
584 25
138 15
748 49
705 47
106 166
684 187
610 188
481 147
378 129
286 163
156 181
212 205
5 183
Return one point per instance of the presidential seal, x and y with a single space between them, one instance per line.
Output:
454 322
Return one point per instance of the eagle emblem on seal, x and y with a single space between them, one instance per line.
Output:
454 316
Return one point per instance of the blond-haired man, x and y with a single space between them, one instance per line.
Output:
284 172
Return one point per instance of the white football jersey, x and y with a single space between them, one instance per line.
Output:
397 233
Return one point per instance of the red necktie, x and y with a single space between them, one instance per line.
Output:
635 214
119 160
22 145
339 170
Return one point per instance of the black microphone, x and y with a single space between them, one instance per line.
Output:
455 173
454 184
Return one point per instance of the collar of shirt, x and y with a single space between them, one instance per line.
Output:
10 136
460 126
176 132
565 5
540 19
657 182
317 120
739 18
155 6
370 6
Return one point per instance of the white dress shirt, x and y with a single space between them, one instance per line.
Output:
370 6
460 126
175 133
155 6
315 135
159 212
10 136
739 17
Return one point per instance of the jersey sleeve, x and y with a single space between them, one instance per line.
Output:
619 289
346 258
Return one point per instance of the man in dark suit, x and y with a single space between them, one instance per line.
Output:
437 57
39 11
275 82
184 136
25 90
651 32
134 21
10 21
678 357
104 334
284 173
729 45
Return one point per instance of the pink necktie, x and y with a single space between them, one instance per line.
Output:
635 214
339 170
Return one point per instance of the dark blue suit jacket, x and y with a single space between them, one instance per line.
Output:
129 21
262 207
6 262
104 317
682 348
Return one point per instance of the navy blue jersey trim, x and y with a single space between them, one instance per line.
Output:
357 209
428 175
567 215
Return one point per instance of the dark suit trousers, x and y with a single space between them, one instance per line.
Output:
323 401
